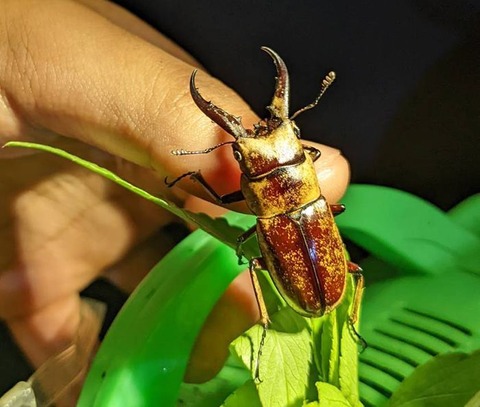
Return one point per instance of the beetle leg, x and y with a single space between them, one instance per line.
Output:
337 209
172 183
354 268
356 271
242 239
358 338
315 153
231 197
259 264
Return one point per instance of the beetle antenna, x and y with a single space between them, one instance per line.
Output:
327 81
206 151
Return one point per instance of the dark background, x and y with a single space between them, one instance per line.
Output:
405 109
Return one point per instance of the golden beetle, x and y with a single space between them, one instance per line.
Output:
299 241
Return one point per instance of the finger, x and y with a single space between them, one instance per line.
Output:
121 93
48 330
236 311
62 226
131 270
104 86
333 172
131 23
60 340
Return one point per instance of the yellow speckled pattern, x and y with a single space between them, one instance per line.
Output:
304 255
274 145
283 190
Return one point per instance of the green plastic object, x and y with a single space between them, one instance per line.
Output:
423 280
410 233
143 357
426 299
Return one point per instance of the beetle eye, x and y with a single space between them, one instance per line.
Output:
296 131
237 155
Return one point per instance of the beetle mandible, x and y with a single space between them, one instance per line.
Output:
299 241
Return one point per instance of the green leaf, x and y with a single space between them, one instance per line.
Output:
474 401
445 381
285 360
348 362
245 395
330 396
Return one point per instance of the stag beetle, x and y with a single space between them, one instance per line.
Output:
299 241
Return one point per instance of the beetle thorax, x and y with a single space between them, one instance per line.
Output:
278 176
267 151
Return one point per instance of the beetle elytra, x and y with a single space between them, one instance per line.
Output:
300 244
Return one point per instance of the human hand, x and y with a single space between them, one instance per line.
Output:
89 77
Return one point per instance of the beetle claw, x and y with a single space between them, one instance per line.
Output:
240 254
240 258
358 338
241 261
257 378
170 184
